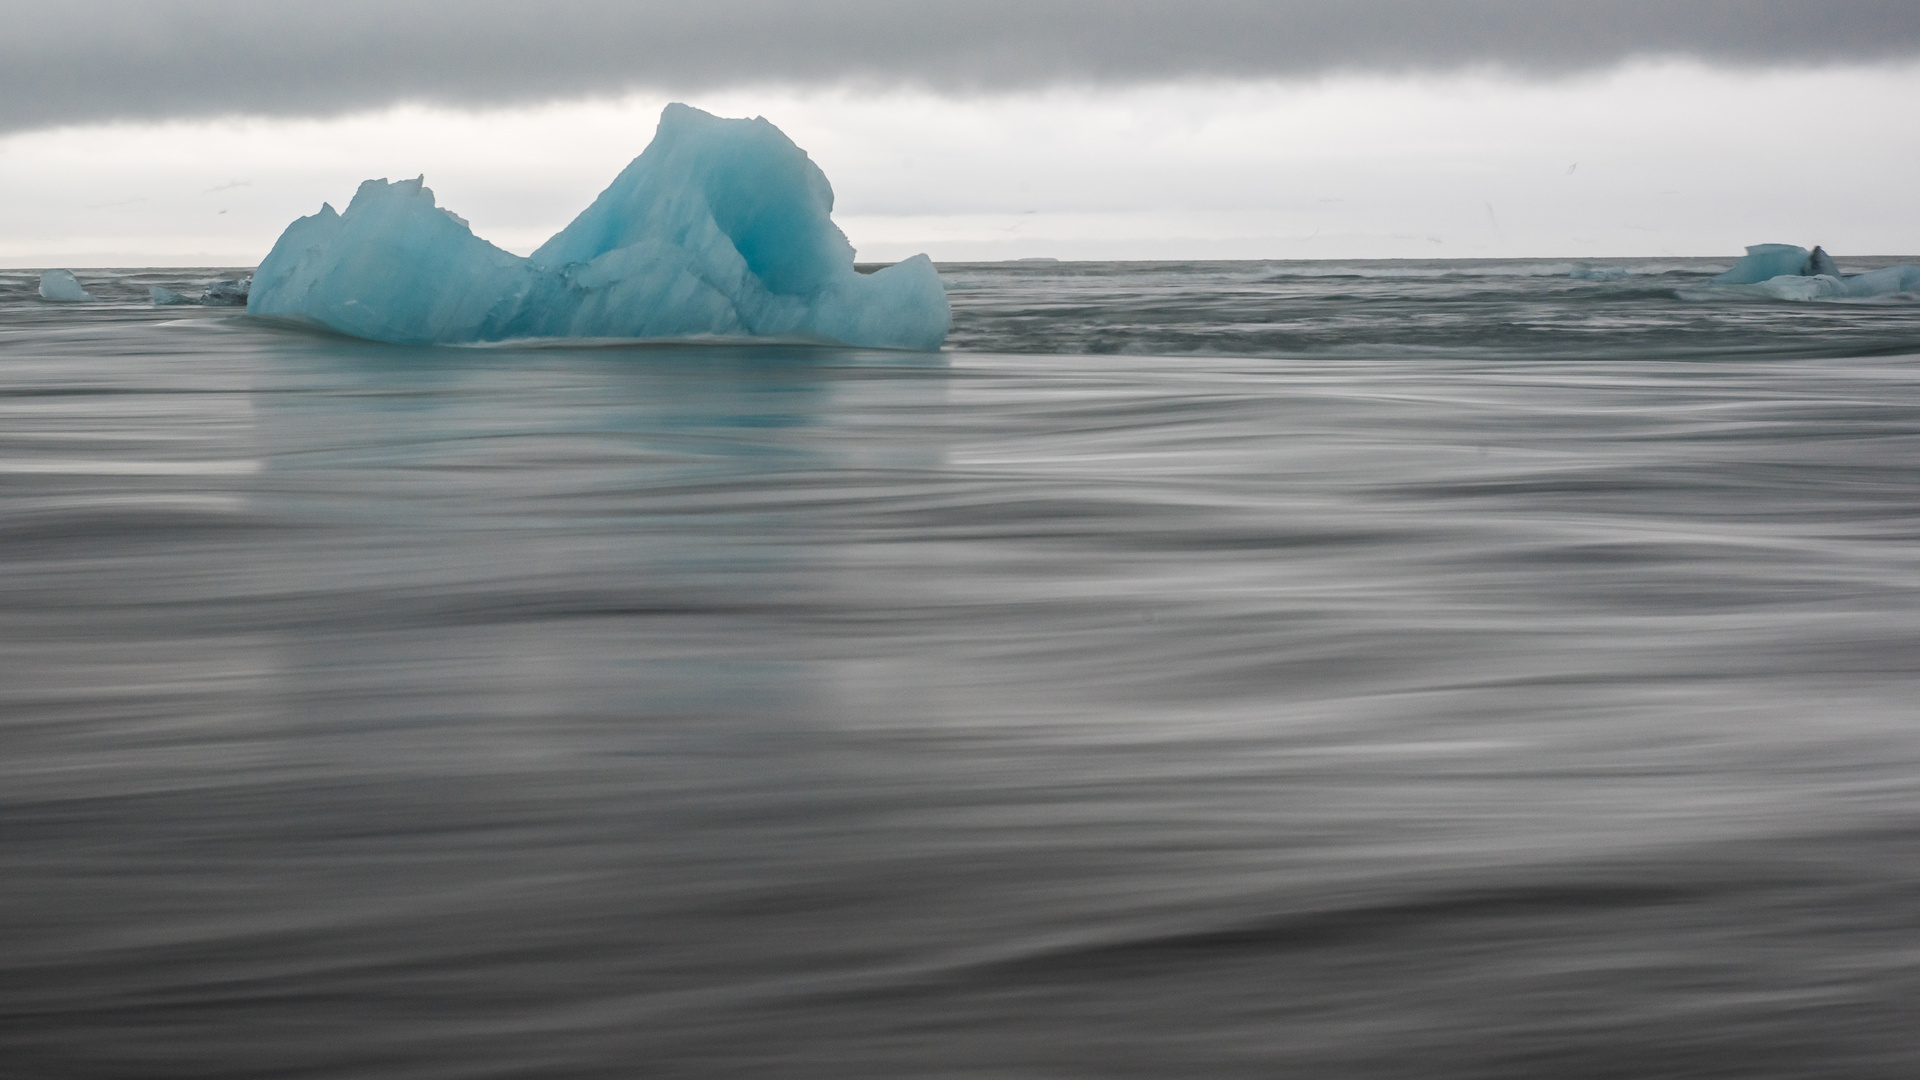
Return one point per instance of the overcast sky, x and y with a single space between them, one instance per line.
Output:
1295 128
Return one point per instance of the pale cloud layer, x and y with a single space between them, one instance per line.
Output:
1648 160
90 61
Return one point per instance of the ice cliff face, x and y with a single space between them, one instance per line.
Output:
720 228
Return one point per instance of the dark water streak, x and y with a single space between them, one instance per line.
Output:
1230 670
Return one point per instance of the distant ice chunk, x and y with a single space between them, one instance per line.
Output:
1889 281
216 294
721 228
63 287
227 293
1794 273
1765 261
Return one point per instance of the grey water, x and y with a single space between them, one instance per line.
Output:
1417 670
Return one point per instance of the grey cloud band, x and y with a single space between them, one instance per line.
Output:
93 60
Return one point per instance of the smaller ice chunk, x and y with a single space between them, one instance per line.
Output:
228 293
61 286
217 294
1799 287
1794 273
1766 261
1889 281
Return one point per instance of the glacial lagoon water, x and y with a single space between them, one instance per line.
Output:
1418 670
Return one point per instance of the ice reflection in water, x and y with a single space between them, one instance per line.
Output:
706 711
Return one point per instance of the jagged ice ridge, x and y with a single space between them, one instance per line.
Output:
720 228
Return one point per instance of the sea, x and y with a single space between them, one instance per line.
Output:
1424 670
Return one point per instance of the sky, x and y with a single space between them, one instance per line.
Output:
168 134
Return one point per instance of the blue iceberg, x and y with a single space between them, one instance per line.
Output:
62 287
1794 273
1763 262
721 228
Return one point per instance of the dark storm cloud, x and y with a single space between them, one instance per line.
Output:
65 61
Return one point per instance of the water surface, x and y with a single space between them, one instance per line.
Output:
1198 670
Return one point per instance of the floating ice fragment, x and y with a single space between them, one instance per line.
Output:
1764 261
217 294
62 286
1904 278
230 293
1889 281
721 228
1794 273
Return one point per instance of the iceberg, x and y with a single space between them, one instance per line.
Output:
61 286
1764 262
720 228
1791 272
